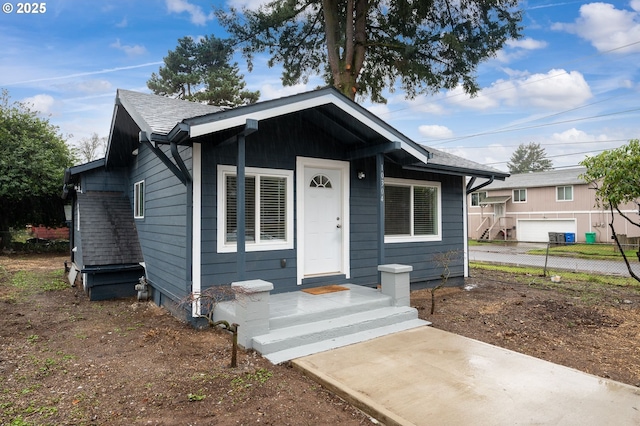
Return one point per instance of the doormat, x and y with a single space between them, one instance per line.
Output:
325 289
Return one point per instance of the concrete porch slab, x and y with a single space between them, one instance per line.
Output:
429 376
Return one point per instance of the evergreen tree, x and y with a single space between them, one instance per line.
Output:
200 71
365 46
529 158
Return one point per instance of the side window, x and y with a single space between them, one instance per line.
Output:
477 197
564 193
519 195
138 197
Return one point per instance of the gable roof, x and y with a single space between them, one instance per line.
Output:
541 179
109 235
165 120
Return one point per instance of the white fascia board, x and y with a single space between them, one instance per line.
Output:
227 123
239 120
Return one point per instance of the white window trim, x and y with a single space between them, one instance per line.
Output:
224 170
136 201
477 192
418 238
564 186
513 195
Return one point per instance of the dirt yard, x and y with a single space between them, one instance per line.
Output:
582 325
65 360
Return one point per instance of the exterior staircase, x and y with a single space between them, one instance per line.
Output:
306 334
297 324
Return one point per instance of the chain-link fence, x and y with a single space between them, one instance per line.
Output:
548 258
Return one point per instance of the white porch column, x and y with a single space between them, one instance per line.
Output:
395 282
252 309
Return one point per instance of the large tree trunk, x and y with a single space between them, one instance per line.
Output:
346 68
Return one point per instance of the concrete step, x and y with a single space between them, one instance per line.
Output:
327 329
338 342
287 320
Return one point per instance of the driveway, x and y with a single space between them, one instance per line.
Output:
427 376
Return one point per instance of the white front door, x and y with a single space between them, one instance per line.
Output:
323 220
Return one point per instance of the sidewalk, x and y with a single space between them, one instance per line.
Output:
427 376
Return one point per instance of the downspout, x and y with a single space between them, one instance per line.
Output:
178 134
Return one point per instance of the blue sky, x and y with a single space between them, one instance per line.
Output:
571 84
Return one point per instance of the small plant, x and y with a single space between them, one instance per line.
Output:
33 338
199 396
207 301
444 260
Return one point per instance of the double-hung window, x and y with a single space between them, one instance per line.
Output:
564 193
477 197
412 211
268 209
138 200
519 195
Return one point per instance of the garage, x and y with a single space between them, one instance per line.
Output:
537 230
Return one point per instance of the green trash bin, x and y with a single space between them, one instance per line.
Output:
590 237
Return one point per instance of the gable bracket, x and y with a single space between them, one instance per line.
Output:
163 157
471 188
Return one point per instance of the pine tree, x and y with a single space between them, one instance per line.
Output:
200 72
529 158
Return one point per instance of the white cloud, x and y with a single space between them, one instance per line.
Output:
526 43
606 27
198 17
122 24
41 103
269 91
555 90
435 131
249 4
515 49
379 110
135 50
482 101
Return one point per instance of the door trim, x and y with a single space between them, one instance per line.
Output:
343 167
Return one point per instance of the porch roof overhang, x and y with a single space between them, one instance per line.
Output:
500 199
363 132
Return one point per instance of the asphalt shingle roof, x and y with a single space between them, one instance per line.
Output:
160 114
541 179
109 235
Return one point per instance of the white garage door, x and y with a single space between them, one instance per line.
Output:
537 230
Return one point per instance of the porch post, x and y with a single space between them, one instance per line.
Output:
396 283
240 209
380 193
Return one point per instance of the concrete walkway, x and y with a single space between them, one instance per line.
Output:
427 376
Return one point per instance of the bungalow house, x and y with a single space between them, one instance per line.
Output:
527 207
330 193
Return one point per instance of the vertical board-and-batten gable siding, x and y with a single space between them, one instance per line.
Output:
162 231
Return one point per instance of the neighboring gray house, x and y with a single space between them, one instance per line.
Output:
331 192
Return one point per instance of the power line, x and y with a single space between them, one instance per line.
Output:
493 132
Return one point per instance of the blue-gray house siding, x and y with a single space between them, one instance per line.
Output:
152 140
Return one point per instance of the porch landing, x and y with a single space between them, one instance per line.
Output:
302 324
